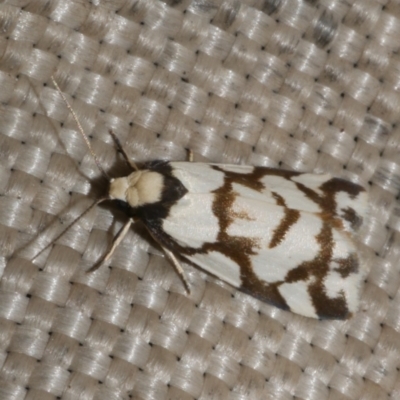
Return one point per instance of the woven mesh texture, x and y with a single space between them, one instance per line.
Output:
301 85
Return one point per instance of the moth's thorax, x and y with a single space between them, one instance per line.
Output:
138 188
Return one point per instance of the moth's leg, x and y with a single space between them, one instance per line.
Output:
190 156
174 261
178 267
122 151
116 242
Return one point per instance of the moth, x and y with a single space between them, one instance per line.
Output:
285 237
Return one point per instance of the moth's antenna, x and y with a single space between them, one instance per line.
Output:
86 139
71 224
122 151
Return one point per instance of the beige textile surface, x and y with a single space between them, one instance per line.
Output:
301 85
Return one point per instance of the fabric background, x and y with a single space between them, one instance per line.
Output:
300 85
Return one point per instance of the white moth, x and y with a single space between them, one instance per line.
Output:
285 237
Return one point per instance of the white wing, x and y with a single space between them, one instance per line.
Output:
287 238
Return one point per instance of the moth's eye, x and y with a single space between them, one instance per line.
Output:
123 206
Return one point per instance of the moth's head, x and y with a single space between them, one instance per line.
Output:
137 189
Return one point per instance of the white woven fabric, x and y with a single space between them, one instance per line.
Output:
302 85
